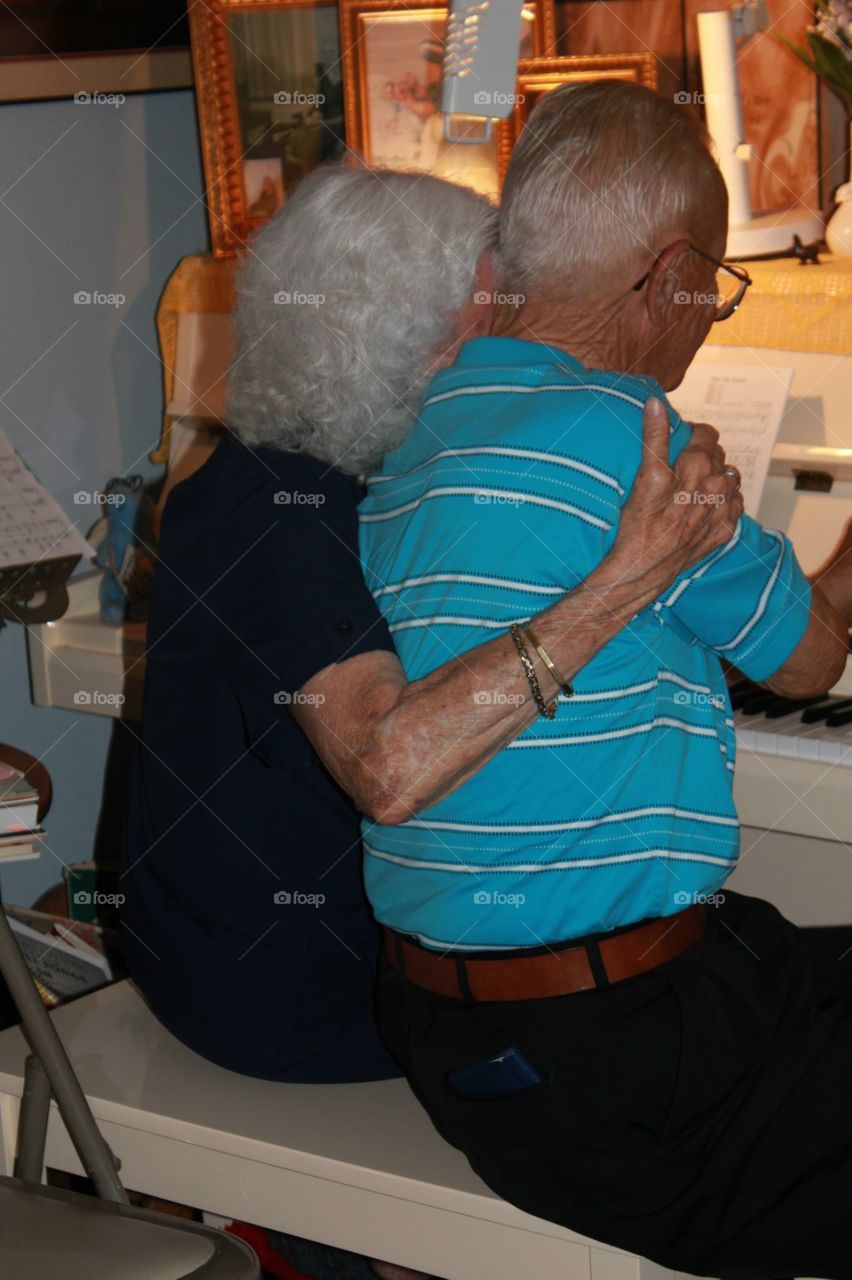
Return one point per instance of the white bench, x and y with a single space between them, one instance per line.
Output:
358 1166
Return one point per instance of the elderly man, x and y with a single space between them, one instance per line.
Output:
245 920
670 1078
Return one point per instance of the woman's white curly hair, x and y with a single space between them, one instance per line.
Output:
345 301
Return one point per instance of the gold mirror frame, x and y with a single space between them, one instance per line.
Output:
218 115
537 76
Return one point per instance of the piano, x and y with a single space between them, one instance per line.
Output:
793 780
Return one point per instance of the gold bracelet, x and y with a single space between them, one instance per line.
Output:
527 663
564 684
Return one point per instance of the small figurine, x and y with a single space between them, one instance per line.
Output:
126 550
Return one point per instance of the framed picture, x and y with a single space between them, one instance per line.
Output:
126 46
392 58
270 104
538 76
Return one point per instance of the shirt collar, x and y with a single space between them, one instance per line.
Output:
511 351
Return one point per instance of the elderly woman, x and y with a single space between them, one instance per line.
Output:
608 1051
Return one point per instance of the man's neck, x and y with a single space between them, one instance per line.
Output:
596 336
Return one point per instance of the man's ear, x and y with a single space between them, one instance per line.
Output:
665 282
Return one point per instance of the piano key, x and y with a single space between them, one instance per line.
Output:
738 695
821 712
839 718
785 735
787 706
758 702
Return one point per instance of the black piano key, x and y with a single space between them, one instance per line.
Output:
788 706
740 686
758 702
741 692
841 713
837 719
813 715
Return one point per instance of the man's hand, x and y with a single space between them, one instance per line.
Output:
674 517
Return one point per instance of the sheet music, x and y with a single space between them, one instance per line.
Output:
745 403
33 526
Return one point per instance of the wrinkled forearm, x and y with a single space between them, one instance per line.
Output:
819 659
435 733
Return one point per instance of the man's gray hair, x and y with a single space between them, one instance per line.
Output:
344 303
602 178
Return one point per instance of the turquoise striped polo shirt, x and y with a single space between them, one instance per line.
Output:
506 494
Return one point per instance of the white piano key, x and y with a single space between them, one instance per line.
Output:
788 738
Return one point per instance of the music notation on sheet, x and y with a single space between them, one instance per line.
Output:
33 526
745 403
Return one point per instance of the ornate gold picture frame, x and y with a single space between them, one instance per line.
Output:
270 104
392 54
537 76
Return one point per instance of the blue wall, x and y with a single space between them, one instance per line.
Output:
94 198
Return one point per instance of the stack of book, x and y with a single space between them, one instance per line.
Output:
19 827
66 958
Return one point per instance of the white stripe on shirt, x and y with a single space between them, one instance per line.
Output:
582 824
531 455
764 595
532 868
520 388
455 491
668 722
476 579
453 620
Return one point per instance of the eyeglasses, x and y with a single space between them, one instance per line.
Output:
729 295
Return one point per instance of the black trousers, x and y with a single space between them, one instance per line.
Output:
699 1115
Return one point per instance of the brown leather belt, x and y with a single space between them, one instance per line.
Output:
553 973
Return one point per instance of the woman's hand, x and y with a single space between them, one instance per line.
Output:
676 516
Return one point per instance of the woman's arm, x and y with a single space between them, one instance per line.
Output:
397 748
